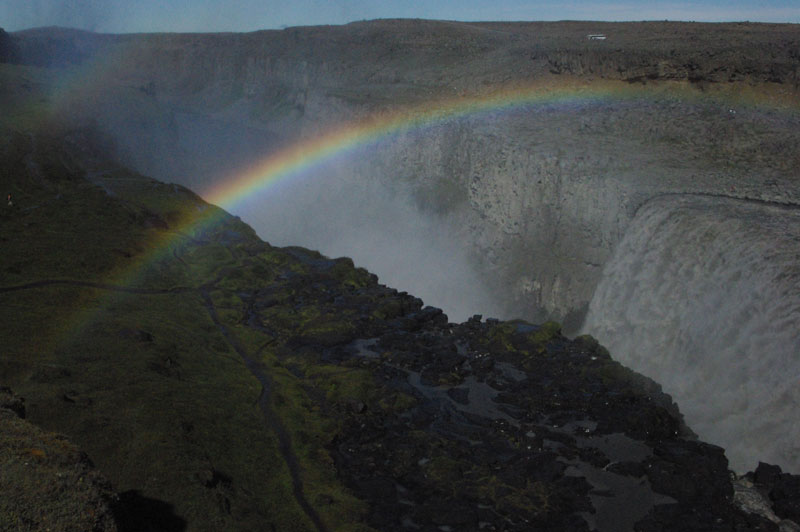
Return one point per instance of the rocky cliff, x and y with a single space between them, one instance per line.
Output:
221 383
527 205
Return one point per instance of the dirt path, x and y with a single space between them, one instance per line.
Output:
257 369
89 284
273 422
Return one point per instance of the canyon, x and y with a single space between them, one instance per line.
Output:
642 189
512 211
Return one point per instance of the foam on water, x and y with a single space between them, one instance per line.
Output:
703 295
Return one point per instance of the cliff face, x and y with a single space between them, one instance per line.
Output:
415 51
8 49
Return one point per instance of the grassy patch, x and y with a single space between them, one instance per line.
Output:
311 430
147 384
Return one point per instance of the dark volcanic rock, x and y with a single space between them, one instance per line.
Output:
12 402
783 490
551 435
634 52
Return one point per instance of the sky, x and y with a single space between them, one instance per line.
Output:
125 16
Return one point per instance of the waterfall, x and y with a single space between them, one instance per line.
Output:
703 295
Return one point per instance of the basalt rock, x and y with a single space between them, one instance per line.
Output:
8 49
782 488
551 435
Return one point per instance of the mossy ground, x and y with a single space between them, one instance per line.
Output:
145 382
37 471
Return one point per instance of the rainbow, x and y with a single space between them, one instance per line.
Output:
307 154
76 88
303 156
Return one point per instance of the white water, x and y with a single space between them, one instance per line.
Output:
703 295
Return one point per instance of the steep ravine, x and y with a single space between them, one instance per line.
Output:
538 197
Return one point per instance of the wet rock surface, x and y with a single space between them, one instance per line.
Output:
500 425
779 492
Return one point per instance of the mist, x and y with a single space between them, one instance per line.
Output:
92 15
702 295
383 229
347 206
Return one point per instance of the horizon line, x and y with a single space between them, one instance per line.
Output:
383 19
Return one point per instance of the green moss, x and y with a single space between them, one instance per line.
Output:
156 449
489 486
206 261
398 402
77 234
147 384
348 275
546 332
343 385
46 484
591 344
120 387
522 337
535 498
444 470
613 373
327 331
499 337
388 308
311 430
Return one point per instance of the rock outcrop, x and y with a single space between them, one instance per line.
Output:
8 49
782 488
